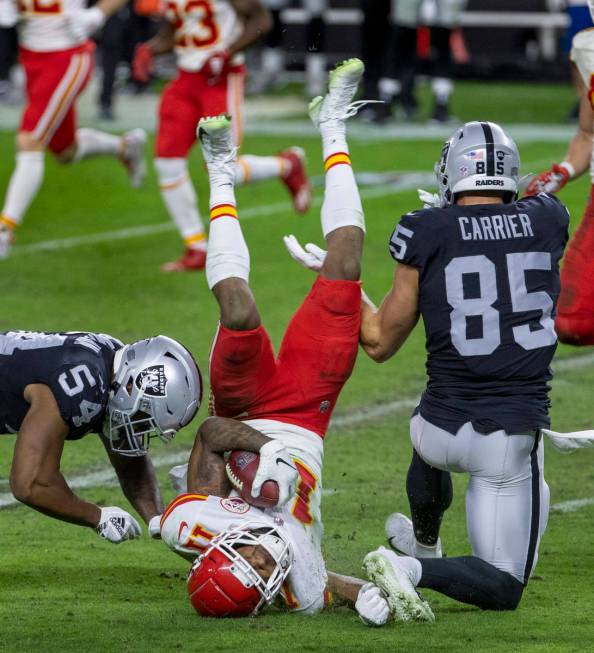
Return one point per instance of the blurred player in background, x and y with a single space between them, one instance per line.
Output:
208 39
136 22
407 15
272 54
284 403
58 387
315 56
482 270
57 57
575 312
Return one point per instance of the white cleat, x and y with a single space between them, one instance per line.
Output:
134 143
384 569
218 148
337 104
6 241
401 537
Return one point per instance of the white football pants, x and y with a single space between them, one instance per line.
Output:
507 499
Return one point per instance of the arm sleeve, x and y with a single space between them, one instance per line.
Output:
411 240
80 393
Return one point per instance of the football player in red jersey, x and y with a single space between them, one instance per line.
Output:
575 309
284 402
56 54
208 37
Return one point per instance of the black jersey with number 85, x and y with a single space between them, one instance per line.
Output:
489 282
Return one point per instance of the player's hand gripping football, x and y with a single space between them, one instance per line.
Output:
371 606
276 465
549 181
117 525
142 63
83 23
311 257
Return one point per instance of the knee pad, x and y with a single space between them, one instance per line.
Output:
171 171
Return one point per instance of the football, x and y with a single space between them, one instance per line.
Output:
241 469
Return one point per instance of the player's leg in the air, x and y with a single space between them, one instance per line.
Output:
575 308
242 359
54 81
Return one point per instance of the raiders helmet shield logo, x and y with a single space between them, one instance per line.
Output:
152 381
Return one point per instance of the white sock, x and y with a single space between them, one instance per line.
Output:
92 142
442 89
227 253
256 168
342 204
180 199
273 61
413 567
23 187
388 88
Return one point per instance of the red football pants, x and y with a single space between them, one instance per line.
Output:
575 308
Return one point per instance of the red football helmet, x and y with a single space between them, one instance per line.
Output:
222 583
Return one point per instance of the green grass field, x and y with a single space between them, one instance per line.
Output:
64 589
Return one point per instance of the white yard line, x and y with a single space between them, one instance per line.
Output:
407 181
573 505
362 415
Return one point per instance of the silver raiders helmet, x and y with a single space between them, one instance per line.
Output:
479 156
156 390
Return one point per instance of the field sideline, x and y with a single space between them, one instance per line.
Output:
63 589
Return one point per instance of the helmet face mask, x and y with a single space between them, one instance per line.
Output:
479 157
156 390
222 582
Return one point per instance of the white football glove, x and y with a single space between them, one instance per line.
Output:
178 476
154 527
117 525
9 13
312 257
568 442
430 200
371 606
83 23
276 465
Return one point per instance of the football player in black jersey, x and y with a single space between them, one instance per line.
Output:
482 271
61 386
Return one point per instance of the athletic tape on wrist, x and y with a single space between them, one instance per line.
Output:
568 168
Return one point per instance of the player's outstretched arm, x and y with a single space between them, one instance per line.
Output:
36 480
138 482
577 158
161 43
359 595
35 477
580 146
384 329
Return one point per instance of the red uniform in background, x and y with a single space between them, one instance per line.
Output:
58 65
